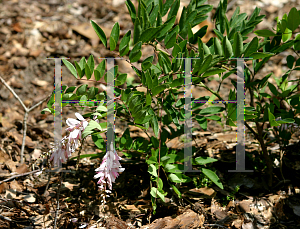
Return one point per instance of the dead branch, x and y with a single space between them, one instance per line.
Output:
20 175
27 110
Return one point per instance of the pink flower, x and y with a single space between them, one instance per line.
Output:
76 128
60 153
69 143
109 169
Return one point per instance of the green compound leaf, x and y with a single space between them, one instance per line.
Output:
174 178
290 61
90 127
164 62
264 33
177 82
140 116
70 67
297 43
272 119
137 31
114 36
276 101
149 80
174 9
213 71
91 63
176 191
81 89
166 7
214 117
282 47
205 64
131 10
155 192
227 48
147 63
273 89
153 15
266 95
293 20
177 50
213 177
170 42
121 79
158 89
211 110
88 71
252 47
202 121
286 35
136 53
218 47
166 27
237 44
100 33
99 71
204 160
219 34
124 45
149 34
286 120
154 122
152 170
79 70
238 20
260 55
82 63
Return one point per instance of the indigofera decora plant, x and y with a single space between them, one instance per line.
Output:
161 106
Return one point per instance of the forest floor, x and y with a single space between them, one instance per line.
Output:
31 32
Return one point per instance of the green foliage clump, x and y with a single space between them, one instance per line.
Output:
163 76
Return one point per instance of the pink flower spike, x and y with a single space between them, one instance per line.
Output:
109 169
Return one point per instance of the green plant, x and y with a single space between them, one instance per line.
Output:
231 196
162 103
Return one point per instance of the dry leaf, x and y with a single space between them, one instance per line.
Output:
23 168
10 194
3 187
14 185
30 198
11 165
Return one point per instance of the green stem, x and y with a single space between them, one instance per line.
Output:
210 90
78 157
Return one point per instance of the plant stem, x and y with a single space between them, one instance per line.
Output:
57 201
211 91
259 137
265 153
159 149
78 157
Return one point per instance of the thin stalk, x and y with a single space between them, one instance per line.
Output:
159 149
265 153
211 91
259 137
57 201
78 157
